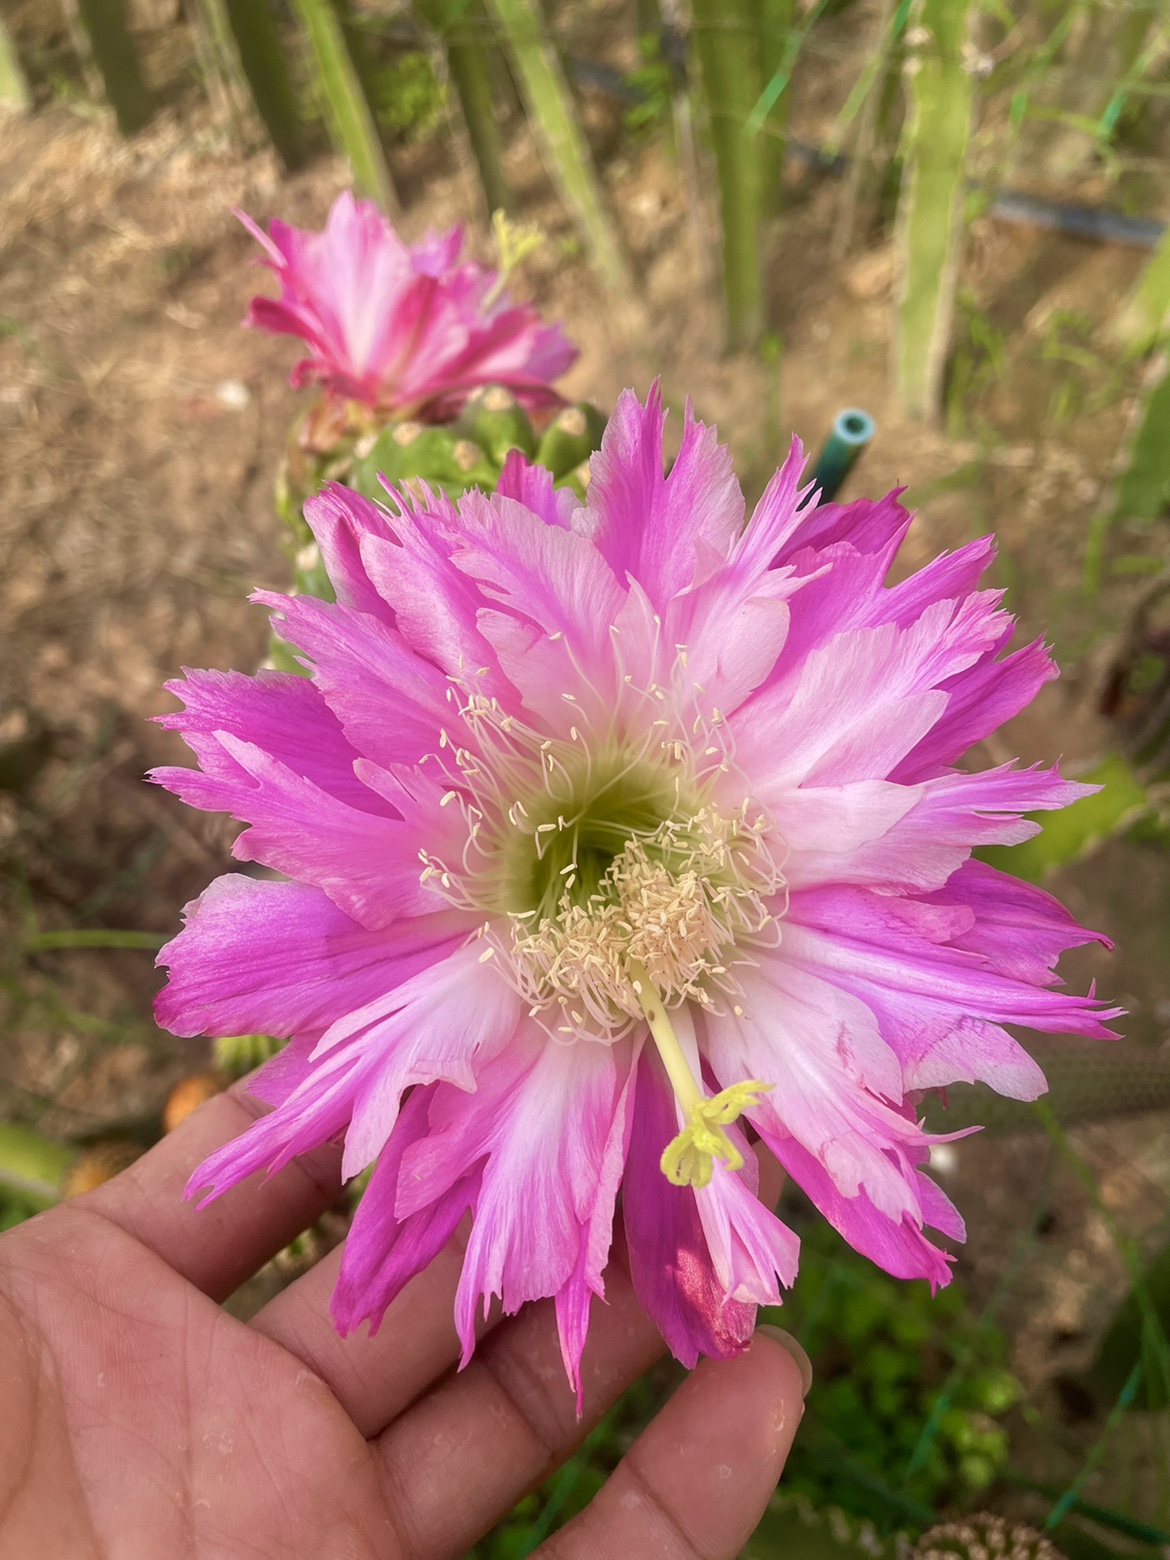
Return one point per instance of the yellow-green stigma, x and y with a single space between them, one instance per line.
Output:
689 1159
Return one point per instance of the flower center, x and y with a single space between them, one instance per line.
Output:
614 889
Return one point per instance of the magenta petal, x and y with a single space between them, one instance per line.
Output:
670 1262
382 1252
898 1246
647 524
278 711
278 958
532 486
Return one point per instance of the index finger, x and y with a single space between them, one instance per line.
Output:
217 1247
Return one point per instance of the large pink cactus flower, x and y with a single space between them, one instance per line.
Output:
618 835
405 329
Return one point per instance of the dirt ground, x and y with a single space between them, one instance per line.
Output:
141 429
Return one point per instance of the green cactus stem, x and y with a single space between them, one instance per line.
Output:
550 108
236 1055
350 118
266 67
930 211
463 29
114 54
727 43
411 452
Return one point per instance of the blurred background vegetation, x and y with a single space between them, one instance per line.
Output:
951 213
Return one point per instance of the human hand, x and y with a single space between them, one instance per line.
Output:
142 1422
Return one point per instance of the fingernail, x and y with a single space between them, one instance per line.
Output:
787 1341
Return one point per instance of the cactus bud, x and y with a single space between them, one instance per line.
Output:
570 439
236 1055
497 422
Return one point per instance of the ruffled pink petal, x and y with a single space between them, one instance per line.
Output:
367 865
446 1022
940 1009
898 1246
921 850
435 1025
382 1252
547 1123
979 700
1019 929
279 958
838 1084
363 667
652 526
339 518
278 711
532 486
557 580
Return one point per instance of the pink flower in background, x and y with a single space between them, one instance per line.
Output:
612 831
405 329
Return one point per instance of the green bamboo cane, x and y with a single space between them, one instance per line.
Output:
104 22
549 105
13 87
270 80
219 62
469 67
351 121
1145 314
930 210
726 40
775 24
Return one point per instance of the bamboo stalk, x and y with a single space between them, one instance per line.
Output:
775 25
266 67
114 54
351 121
930 210
1145 314
549 105
13 87
726 40
469 67
219 62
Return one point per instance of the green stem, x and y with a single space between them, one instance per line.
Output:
1145 314
32 1165
930 211
469 66
266 66
726 40
566 152
45 942
775 22
104 22
13 87
351 121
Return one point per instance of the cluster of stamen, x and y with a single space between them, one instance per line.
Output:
672 904
613 887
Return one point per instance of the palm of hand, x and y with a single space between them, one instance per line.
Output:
142 1420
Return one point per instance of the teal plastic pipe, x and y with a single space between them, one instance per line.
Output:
852 430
